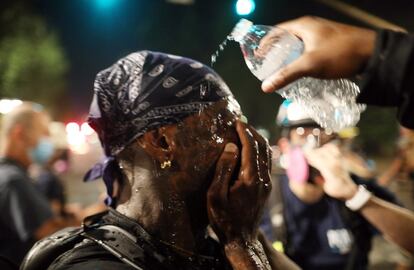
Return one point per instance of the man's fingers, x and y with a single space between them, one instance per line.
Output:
264 157
315 158
224 170
249 151
299 68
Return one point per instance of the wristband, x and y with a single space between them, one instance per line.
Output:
360 198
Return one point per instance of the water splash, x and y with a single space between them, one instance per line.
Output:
220 49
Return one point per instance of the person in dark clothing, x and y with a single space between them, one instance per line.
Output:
319 232
49 184
178 160
25 214
382 61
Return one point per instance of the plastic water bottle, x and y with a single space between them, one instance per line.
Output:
266 49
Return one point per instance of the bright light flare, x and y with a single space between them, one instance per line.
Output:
245 7
105 4
76 138
86 129
72 128
7 105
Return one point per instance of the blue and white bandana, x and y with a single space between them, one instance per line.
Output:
143 91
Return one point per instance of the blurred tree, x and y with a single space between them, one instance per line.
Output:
32 62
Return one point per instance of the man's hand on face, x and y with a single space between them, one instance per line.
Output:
328 160
235 199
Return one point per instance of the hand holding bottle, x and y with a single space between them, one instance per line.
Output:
267 50
332 50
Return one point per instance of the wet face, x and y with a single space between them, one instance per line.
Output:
198 142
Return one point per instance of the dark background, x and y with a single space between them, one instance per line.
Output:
95 33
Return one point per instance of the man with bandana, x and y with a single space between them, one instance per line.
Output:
25 214
178 162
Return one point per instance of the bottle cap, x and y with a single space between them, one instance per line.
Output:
240 30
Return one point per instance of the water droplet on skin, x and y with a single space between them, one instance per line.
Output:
196 168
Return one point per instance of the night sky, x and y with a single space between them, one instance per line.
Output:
95 33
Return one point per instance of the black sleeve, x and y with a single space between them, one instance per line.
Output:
24 208
388 78
50 186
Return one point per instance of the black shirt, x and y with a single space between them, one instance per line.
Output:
388 79
51 187
23 211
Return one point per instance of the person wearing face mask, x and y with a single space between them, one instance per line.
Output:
25 214
315 230
48 178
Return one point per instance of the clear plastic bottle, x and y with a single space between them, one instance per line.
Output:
266 49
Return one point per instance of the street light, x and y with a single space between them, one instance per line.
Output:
245 7
105 4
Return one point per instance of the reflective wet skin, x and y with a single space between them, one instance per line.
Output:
207 183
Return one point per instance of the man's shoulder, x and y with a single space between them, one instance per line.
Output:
88 255
69 249
11 176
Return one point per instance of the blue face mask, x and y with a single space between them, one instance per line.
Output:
42 152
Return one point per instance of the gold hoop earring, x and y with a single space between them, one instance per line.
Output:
166 164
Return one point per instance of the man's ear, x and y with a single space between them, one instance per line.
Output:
158 144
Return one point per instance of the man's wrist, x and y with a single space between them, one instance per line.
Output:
246 254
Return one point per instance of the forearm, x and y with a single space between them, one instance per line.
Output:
396 223
258 254
246 255
388 77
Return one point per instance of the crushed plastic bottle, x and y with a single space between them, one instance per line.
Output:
266 49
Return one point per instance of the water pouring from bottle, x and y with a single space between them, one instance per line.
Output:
266 49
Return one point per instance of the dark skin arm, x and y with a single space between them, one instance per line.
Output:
235 208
